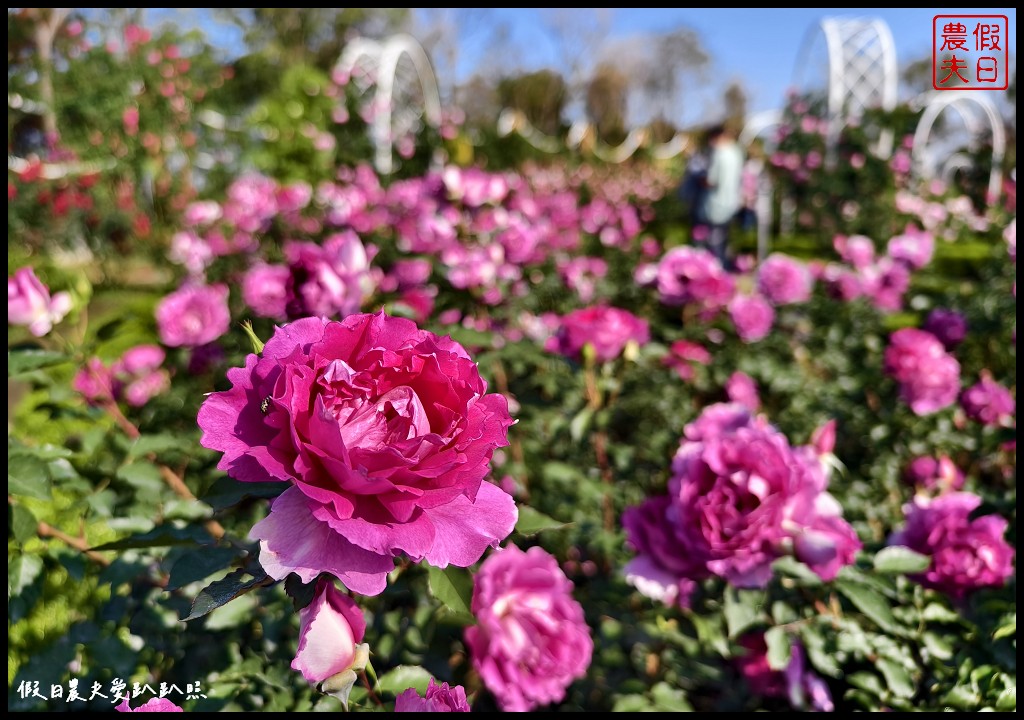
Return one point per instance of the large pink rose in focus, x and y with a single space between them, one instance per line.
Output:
385 433
531 640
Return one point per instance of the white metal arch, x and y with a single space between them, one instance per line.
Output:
966 105
862 71
384 59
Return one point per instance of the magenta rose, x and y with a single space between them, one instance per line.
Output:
929 377
329 280
931 473
662 569
606 329
531 640
857 250
988 402
439 698
752 316
154 705
739 497
965 554
949 326
193 315
693 275
784 280
683 357
265 290
384 432
29 303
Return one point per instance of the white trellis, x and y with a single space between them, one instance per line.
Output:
862 71
394 112
980 117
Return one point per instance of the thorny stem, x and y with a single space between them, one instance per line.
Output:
371 693
48 531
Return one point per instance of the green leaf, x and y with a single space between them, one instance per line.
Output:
20 362
161 536
741 610
937 612
777 640
823 660
1008 628
301 593
23 523
403 677
221 592
453 587
1007 700
242 610
21 573
226 492
898 560
199 564
532 521
580 423
792 567
669 699
897 678
29 476
142 476
867 681
156 444
870 602
938 646
633 703
961 697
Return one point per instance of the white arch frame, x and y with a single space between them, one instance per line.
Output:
961 101
862 72
385 57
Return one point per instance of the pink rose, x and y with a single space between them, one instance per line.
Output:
752 316
742 389
330 631
193 315
988 402
531 639
965 554
154 705
439 698
693 275
332 279
934 473
784 280
384 432
929 377
265 290
29 303
606 329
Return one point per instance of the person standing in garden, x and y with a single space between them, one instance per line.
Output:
724 197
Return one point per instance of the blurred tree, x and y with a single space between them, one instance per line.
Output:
607 95
735 98
677 60
478 98
311 36
540 95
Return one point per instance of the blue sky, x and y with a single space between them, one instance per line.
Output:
758 46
